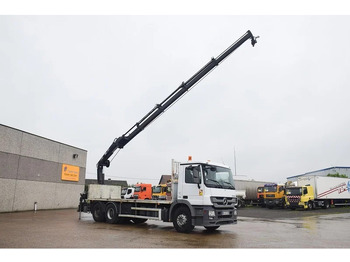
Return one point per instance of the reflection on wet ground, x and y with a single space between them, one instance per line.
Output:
61 228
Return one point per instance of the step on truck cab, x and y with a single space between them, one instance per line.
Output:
260 195
203 194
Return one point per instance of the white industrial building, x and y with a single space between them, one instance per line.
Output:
324 172
36 172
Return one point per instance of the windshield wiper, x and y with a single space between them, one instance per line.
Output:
231 186
215 182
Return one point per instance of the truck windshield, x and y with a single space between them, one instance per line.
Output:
220 177
138 189
157 189
270 188
295 191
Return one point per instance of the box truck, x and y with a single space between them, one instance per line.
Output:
318 191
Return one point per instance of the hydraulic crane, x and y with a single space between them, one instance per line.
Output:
121 141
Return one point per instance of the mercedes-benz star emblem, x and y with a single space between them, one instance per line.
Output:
225 201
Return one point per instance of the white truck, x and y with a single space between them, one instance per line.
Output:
318 191
127 192
203 194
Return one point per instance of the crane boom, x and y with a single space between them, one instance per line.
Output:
121 141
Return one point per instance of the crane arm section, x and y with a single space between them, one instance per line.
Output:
121 141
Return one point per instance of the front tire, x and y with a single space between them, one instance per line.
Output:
310 205
182 220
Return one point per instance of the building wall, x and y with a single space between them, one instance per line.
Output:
324 172
31 171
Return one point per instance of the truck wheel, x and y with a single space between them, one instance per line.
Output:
310 205
138 220
326 204
182 220
112 214
98 213
211 229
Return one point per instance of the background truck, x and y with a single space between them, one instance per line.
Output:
127 192
318 191
250 187
274 195
203 194
160 192
260 195
143 191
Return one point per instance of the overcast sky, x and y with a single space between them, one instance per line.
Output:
282 105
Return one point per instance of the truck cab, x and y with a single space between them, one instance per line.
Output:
207 190
273 195
299 196
143 191
127 193
160 192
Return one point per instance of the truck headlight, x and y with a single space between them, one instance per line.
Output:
211 213
235 212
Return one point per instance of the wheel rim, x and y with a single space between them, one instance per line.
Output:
110 213
181 220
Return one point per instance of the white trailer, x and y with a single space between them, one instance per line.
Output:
327 190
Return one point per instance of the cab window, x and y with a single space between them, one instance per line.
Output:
191 174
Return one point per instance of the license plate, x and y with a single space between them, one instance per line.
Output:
225 213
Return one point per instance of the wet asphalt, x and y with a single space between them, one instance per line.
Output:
256 228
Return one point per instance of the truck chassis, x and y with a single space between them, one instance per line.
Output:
183 215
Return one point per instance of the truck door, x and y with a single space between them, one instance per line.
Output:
192 189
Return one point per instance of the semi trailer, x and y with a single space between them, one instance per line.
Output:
203 193
250 188
318 191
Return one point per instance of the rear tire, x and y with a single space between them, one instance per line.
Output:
112 214
182 220
326 204
98 212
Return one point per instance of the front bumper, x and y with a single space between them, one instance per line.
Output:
273 202
210 216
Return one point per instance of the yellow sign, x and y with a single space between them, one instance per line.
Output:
70 173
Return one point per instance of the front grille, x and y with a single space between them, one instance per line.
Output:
270 195
293 199
222 202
